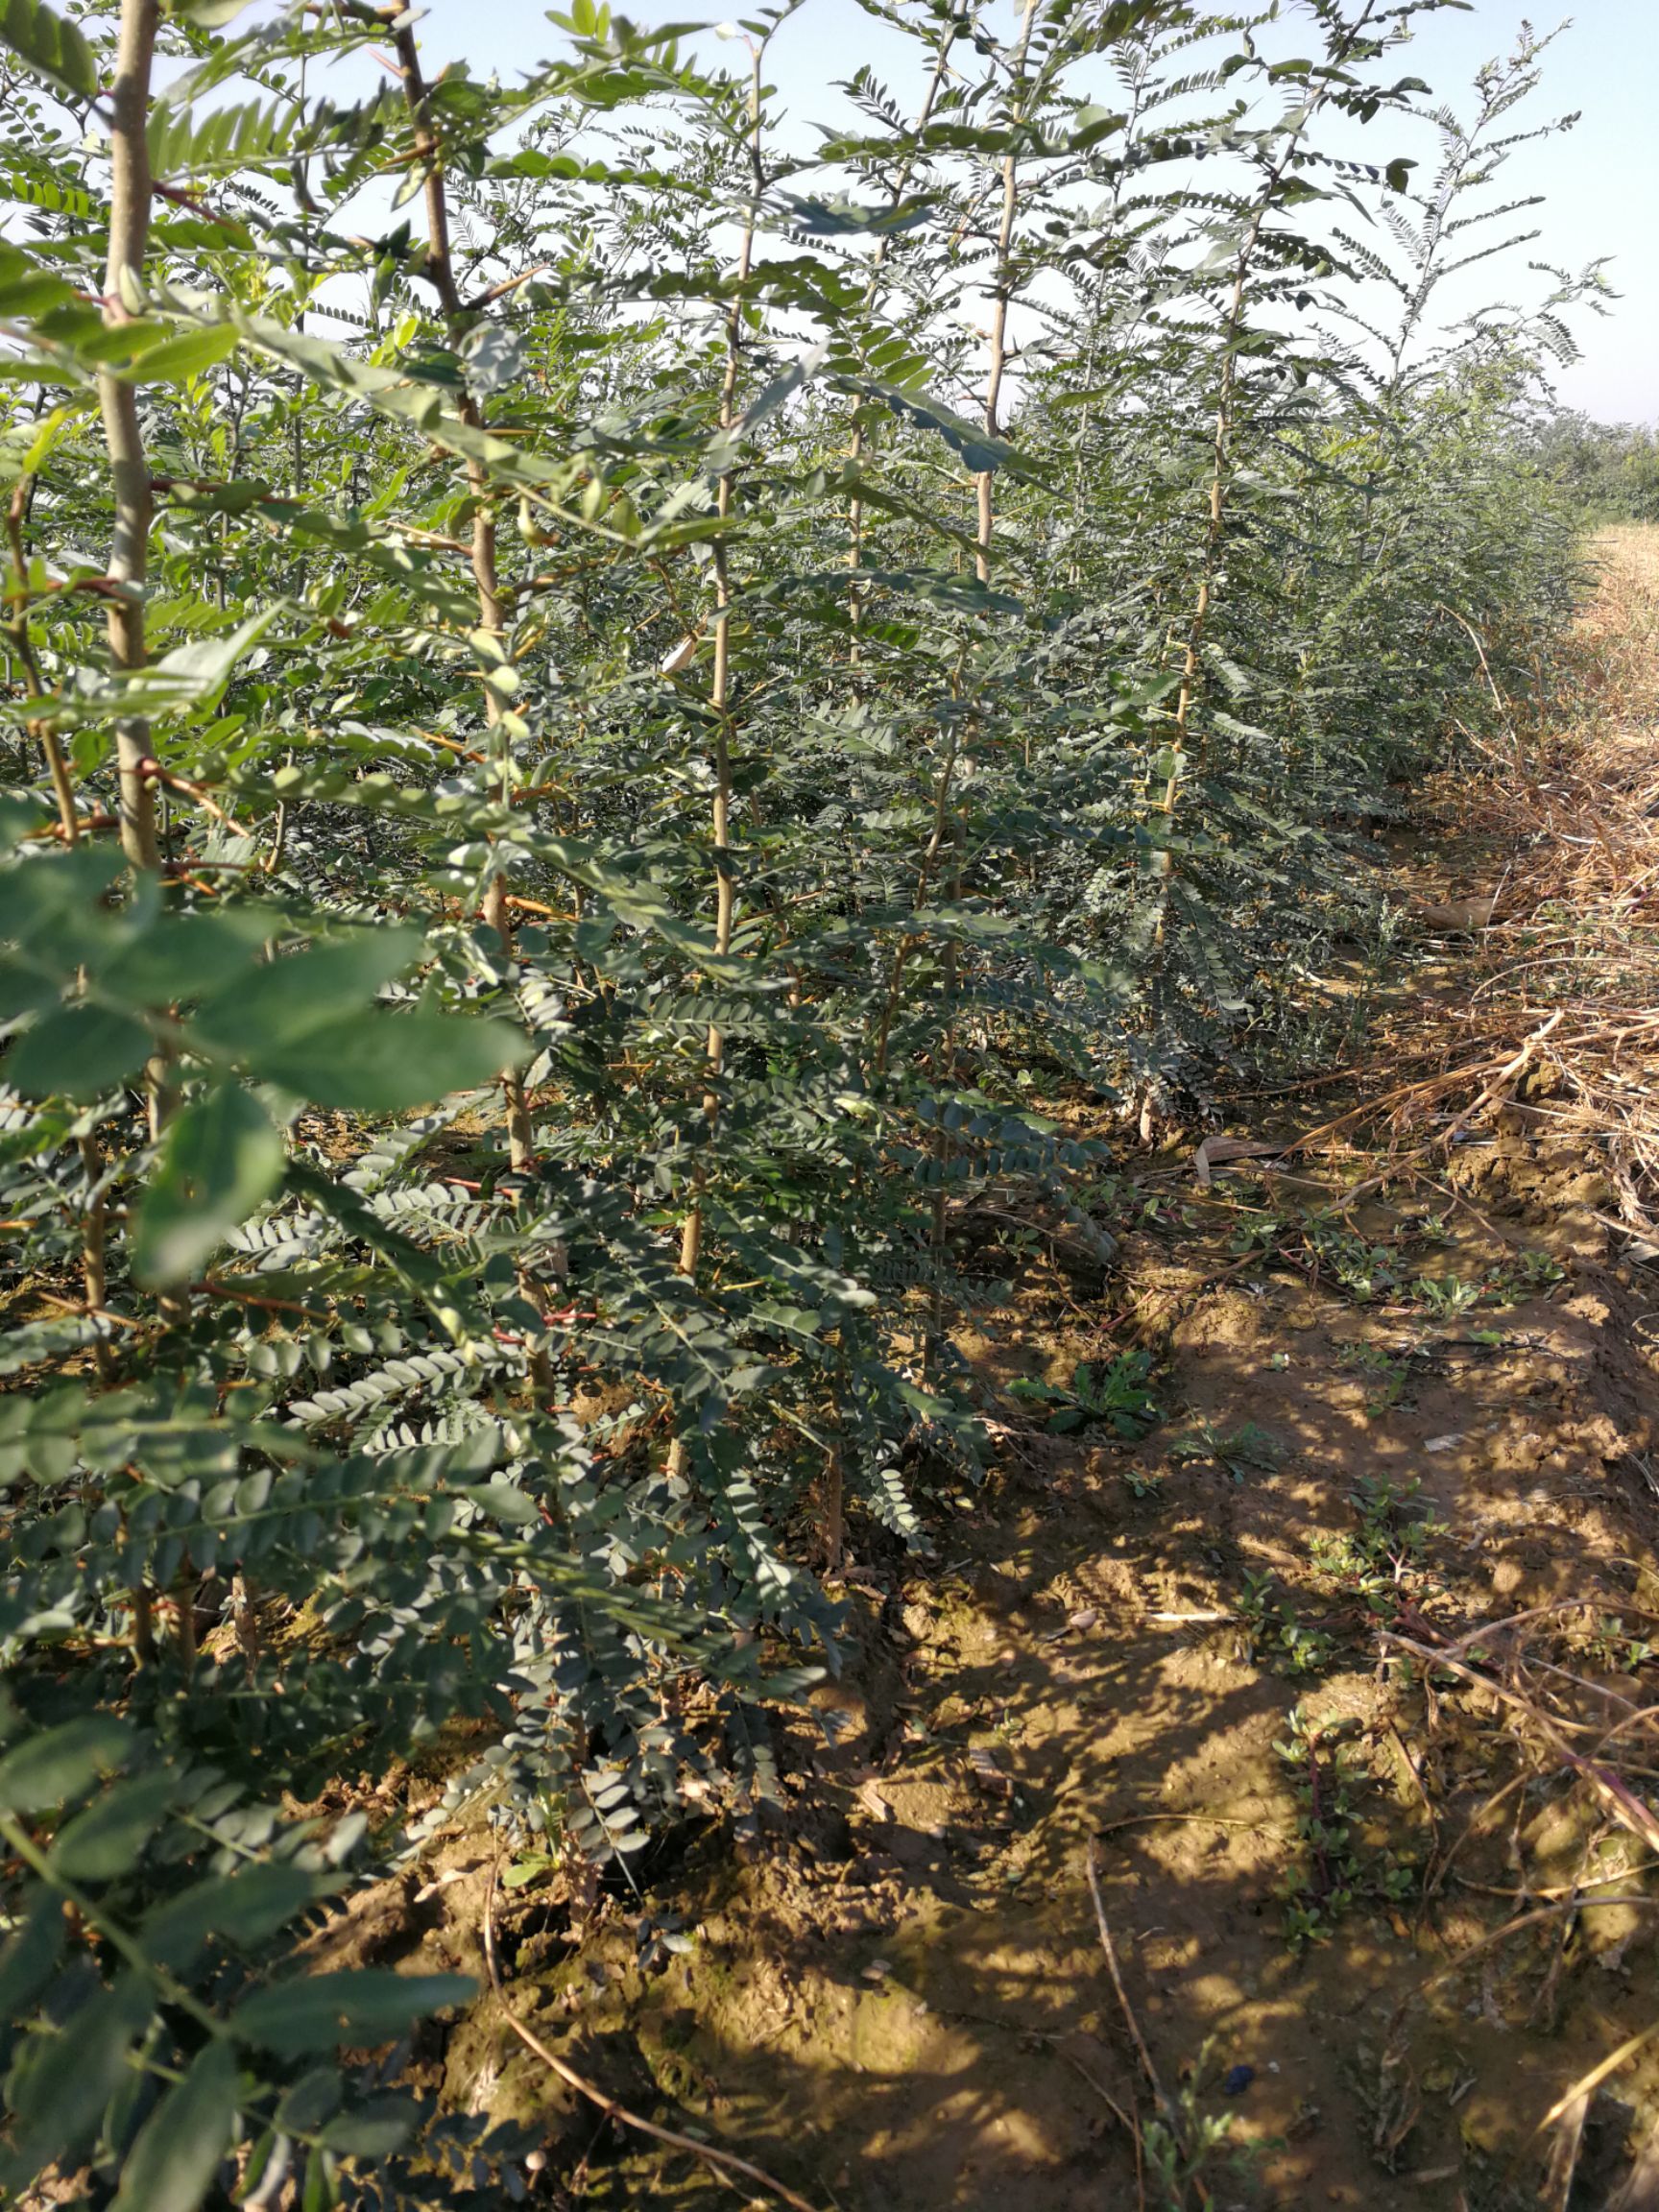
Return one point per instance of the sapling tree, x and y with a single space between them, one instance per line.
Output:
585 686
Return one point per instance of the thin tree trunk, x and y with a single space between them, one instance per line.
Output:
720 694
130 194
130 197
943 829
439 271
984 538
1002 299
720 682
1216 520
1233 330
895 198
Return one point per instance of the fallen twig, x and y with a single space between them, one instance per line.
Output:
1616 1796
1587 2084
1091 1865
1510 1069
726 2163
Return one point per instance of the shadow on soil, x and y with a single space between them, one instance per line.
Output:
899 2000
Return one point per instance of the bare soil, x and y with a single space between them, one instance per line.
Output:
1341 1669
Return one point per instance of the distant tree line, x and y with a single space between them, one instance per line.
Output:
1609 470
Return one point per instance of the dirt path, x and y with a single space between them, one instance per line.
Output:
1388 1422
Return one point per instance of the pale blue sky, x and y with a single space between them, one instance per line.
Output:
1600 179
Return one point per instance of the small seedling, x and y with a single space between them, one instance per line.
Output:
1525 1276
1319 1891
529 1867
1363 1271
1386 1374
1378 1561
1273 1633
1528 1275
1183 2144
1237 1448
1116 1397
1258 1237
1610 1644
1366 1359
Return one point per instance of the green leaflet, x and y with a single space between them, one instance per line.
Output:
220 1159
51 1770
32 1953
306 1020
109 1839
191 675
372 2007
51 45
174 359
372 2130
33 184
78 1051
386 1063
61 2085
505 1503
180 2148
231 137
293 993
247 1907
184 957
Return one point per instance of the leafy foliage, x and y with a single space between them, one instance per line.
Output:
1115 1396
1609 471
559 788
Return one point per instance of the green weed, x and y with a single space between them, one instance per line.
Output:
1381 1561
1331 1874
1237 1449
1115 1397
1447 1296
1274 1633
1386 1374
